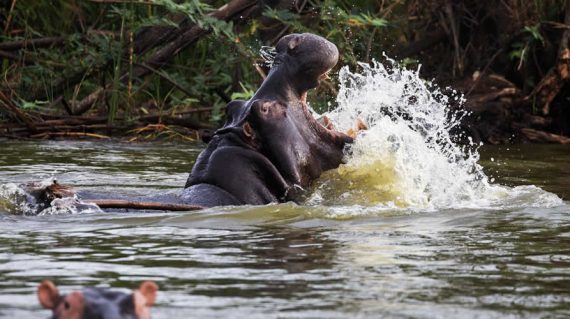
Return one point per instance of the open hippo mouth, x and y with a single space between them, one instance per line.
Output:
304 60
300 146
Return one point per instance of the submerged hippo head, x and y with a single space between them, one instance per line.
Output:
294 141
307 59
98 303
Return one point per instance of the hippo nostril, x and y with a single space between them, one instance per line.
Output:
265 107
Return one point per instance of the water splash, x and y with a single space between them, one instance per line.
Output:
16 200
268 54
22 199
408 157
69 205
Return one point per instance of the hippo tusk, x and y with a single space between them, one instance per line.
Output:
360 126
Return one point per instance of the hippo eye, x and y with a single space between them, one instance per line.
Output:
66 305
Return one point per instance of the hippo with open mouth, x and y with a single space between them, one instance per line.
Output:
277 124
270 147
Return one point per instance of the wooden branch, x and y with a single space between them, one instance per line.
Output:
69 134
61 129
126 204
188 122
15 111
16 57
57 190
9 19
31 43
496 94
86 103
544 137
86 126
86 120
484 72
9 56
536 121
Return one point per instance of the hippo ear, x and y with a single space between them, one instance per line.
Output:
248 130
294 43
148 290
48 294
144 298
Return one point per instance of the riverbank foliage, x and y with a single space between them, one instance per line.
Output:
165 66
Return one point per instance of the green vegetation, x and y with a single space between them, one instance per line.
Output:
102 58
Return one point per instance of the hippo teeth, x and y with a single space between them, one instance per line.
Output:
325 76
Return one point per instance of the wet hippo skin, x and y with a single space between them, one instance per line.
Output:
98 303
278 126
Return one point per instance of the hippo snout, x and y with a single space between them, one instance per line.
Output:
311 49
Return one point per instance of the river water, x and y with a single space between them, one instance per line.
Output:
414 225
287 260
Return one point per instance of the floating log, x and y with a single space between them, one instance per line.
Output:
56 190
127 204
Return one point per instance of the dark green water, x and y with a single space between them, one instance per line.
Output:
280 261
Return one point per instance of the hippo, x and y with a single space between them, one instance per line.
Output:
98 303
277 118
270 147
